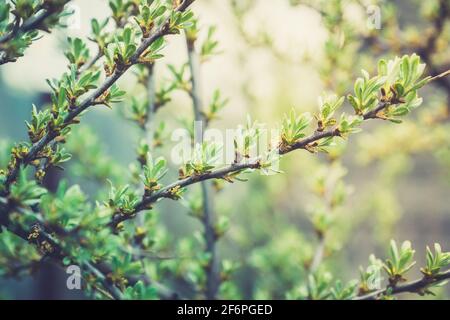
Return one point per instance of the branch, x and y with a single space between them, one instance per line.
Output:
40 14
167 192
429 48
318 255
208 217
255 163
418 286
91 99
99 269
306 144
151 96
48 245
426 49
31 24
56 250
91 63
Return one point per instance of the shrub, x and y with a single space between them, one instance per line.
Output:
110 238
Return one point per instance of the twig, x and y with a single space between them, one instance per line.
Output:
320 249
440 76
417 286
50 136
112 289
208 218
148 128
53 249
35 22
91 99
28 25
318 255
101 269
91 63
426 49
151 96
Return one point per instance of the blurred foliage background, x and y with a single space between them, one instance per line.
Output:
388 182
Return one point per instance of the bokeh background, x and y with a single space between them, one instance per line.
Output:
397 177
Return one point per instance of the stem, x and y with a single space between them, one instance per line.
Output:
208 217
57 254
33 23
429 48
91 63
99 269
255 163
151 95
149 117
320 249
28 25
417 286
318 255
91 99
112 289
374 113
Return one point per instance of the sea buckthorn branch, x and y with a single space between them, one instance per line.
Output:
43 236
29 17
426 47
105 92
172 191
170 25
399 263
46 245
144 116
375 98
49 247
151 93
330 190
122 12
417 286
208 217
427 41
